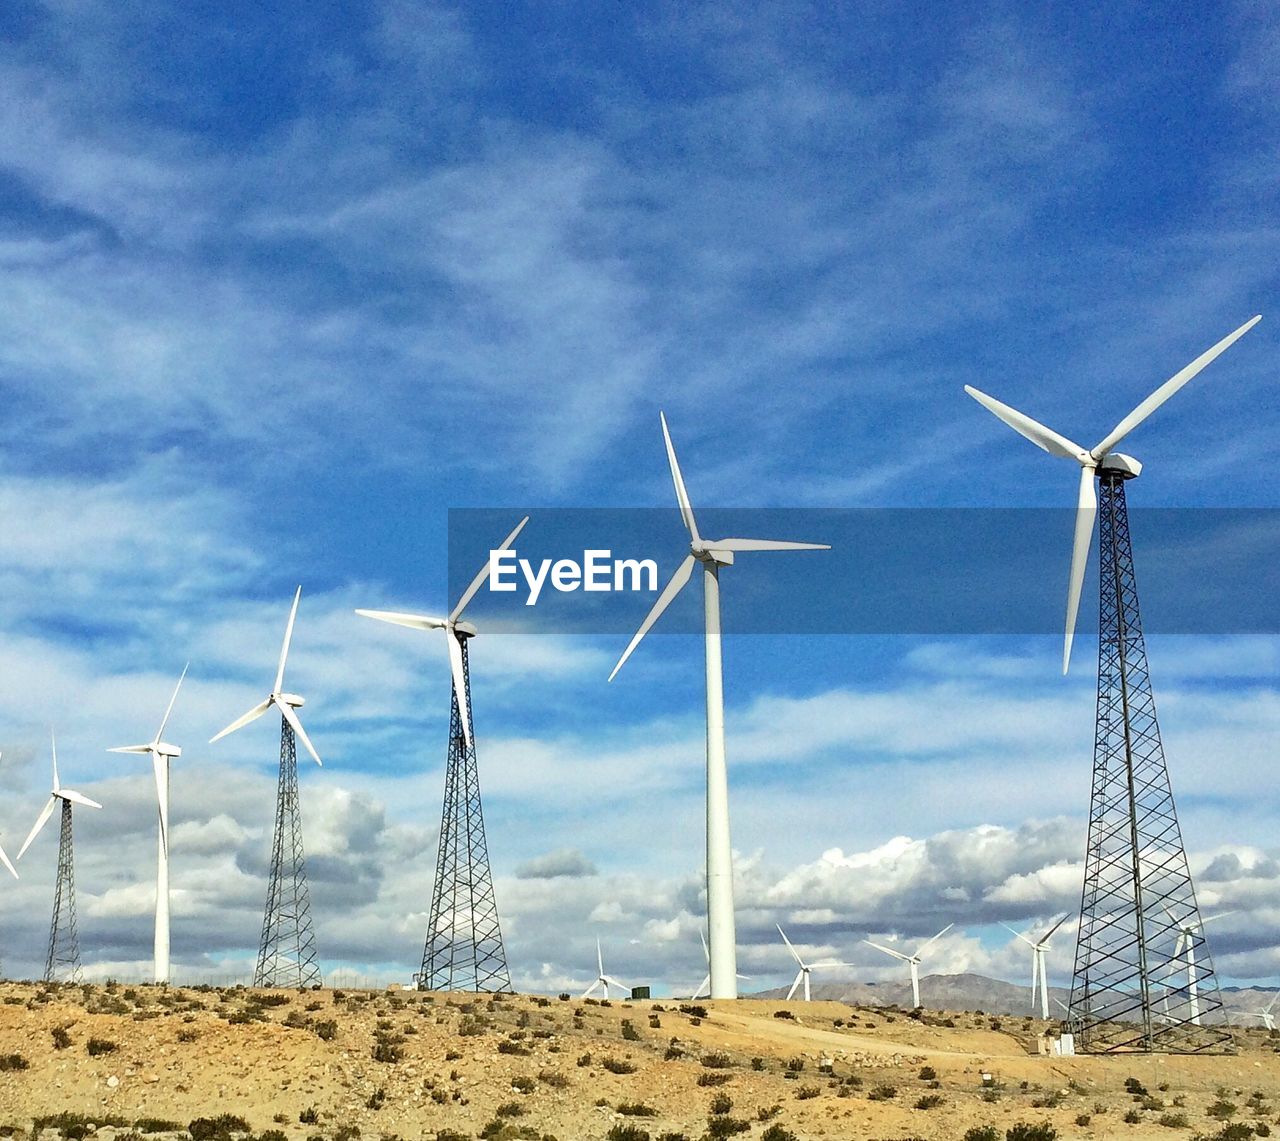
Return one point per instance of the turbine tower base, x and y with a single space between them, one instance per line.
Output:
62 964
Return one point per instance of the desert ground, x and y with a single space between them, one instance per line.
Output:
329 1065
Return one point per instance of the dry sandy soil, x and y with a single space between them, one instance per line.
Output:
320 1064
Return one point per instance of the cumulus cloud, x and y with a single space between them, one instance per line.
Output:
562 862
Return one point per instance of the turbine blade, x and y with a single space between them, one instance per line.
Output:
611 981
888 951
165 720
765 545
470 592
1220 915
53 740
130 749
240 722
459 683
45 813
599 957
789 946
794 985
291 716
8 863
413 621
1019 934
284 646
1086 513
1049 934
78 798
706 951
1033 430
939 935
704 985
1168 388
674 587
160 768
682 496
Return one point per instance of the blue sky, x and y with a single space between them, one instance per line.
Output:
279 289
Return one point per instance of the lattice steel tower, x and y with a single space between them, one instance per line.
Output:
287 952
1144 979
62 963
464 948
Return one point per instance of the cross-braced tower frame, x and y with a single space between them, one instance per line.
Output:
464 948
287 953
1137 985
62 964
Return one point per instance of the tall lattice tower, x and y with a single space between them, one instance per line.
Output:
62 964
464 948
287 951
1144 978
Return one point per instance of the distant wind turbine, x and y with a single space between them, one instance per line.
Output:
161 754
705 985
602 980
912 960
712 554
64 942
1188 930
803 974
1038 975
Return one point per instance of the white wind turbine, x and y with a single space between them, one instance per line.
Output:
803 974
161 753
456 631
1090 459
1039 977
602 980
1268 1021
912 961
712 554
286 703
67 796
706 979
1188 929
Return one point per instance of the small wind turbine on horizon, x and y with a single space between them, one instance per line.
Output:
64 940
161 754
706 979
912 960
1039 978
803 974
712 554
1268 1021
602 980
1188 929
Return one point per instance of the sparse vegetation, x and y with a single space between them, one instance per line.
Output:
97 1046
618 1066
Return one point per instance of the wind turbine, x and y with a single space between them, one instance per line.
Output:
602 980
912 961
286 953
706 980
64 942
803 974
712 554
463 948
1038 976
456 631
1268 1021
161 754
1100 455
1188 929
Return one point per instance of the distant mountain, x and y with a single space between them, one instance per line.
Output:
995 996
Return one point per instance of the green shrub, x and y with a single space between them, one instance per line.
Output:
930 1101
726 1126
721 1103
61 1039
524 1083
156 1125
508 1047
326 1029
618 1066
309 1116
983 1133
882 1093
757 1064
1083 1119
715 1079
928 1074
10 1062
717 1061
636 1109
345 1133
806 1093
1024 1132
74 1126
775 1132
1222 1109
1132 1117
97 1046
629 1032
217 1128
509 1109
1173 1120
